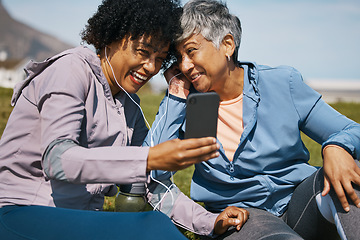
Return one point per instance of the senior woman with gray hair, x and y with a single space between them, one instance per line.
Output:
263 163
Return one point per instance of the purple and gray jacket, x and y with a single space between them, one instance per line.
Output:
68 141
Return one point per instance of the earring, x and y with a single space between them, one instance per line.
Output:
228 58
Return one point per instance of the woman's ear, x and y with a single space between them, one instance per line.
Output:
229 45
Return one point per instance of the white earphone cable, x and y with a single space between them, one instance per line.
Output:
112 70
168 189
167 104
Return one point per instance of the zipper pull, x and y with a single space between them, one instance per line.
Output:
231 168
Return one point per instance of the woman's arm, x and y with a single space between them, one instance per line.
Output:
191 216
339 136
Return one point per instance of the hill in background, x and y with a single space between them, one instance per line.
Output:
19 41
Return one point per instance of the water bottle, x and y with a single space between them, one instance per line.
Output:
131 198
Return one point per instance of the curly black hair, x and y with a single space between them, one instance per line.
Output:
116 19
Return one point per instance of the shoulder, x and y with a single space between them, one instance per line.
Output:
69 71
74 57
79 63
278 76
270 73
282 70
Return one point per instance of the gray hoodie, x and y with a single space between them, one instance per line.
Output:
67 140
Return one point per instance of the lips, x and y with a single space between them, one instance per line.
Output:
195 77
138 78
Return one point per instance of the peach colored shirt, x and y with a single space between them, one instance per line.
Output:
230 125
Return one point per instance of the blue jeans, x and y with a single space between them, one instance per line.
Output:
302 220
39 222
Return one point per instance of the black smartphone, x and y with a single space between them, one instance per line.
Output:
202 115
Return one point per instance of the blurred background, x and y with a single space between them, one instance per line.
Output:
320 38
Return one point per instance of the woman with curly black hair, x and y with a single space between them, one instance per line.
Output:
76 130
158 19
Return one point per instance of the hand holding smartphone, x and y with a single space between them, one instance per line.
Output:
202 115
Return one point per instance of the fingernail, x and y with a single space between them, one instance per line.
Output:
237 221
358 205
347 209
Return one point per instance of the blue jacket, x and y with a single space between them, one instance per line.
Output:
271 159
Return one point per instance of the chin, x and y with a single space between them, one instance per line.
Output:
132 87
133 90
201 89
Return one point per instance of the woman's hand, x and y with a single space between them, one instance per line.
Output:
179 85
178 154
340 171
231 216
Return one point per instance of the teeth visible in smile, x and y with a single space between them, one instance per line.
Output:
138 77
195 76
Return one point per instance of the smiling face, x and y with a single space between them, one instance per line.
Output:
133 62
203 64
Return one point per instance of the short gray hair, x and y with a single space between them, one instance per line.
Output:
212 19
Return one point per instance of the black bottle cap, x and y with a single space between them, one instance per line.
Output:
135 188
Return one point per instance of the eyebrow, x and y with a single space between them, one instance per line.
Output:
191 42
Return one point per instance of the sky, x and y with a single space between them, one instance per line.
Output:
320 38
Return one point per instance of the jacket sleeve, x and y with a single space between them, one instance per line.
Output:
321 122
60 99
65 160
183 211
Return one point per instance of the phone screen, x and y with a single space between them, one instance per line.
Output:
202 115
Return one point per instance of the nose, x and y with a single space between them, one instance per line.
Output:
186 64
150 66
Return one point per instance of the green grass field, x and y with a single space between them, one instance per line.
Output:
150 103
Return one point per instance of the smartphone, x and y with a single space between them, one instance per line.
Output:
202 115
